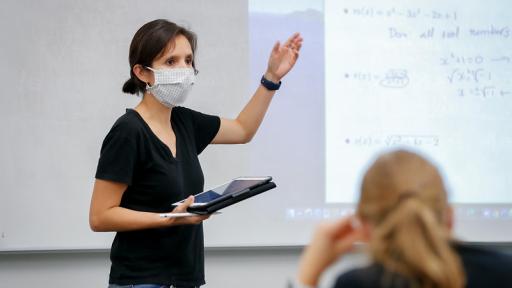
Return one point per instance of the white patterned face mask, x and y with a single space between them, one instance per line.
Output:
172 85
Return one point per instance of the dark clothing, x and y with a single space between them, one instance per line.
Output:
131 153
483 268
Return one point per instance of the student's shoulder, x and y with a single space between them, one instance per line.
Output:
364 277
484 266
370 277
476 254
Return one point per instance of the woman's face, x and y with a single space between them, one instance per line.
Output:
177 55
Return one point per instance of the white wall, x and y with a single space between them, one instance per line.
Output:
225 268
258 267
65 62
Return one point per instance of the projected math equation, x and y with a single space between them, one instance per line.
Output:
393 140
426 75
474 71
392 78
414 40
393 12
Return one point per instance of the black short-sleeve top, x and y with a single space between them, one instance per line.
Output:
131 153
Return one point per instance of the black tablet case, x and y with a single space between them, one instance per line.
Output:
232 200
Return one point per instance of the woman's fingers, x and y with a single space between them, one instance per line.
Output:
292 38
341 234
193 219
340 227
298 45
283 57
345 233
294 43
189 219
346 243
329 242
275 49
183 206
295 46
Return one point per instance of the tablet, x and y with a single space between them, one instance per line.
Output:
229 193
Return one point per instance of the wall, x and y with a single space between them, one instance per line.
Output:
226 268
65 62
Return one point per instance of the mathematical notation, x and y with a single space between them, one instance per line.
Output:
393 78
408 13
484 92
394 140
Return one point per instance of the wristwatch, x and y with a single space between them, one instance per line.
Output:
269 84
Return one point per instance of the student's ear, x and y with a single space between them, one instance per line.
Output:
449 218
367 230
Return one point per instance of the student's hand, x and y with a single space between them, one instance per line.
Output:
330 241
182 208
283 58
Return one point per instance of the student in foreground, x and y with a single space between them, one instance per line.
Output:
404 216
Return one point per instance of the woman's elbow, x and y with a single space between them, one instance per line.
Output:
95 224
242 134
246 139
246 136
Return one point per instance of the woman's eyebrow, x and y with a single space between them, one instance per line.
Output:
191 55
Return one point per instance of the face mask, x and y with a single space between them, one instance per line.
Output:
172 85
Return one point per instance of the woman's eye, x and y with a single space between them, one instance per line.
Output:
170 61
189 61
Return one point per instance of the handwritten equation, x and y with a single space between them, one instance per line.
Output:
484 92
392 78
454 59
401 13
428 33
468 75
448 33
472 75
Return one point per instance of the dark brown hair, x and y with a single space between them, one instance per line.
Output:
148 43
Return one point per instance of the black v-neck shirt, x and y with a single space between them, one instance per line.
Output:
132 154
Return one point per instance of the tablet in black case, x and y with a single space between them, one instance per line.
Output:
235 198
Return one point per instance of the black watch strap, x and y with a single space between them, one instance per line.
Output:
269 84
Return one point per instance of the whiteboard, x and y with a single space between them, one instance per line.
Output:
64 63
63 66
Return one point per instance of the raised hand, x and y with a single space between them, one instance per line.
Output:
283 58
330 241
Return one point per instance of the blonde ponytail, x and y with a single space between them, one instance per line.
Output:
404 199
411 242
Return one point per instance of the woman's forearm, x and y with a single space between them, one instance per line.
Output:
252 115
122 219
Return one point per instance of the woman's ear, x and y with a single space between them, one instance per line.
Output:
143 74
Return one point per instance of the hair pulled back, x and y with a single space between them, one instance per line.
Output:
148 43
404 198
